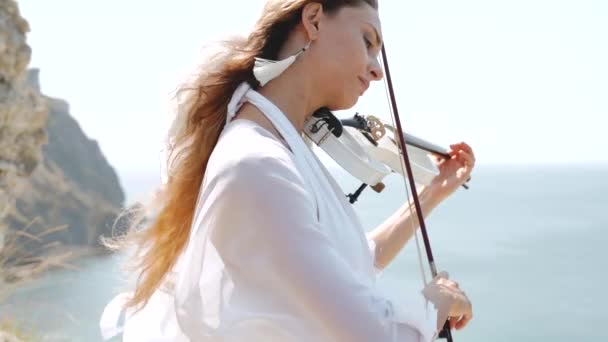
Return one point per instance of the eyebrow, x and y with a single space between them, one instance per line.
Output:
378 39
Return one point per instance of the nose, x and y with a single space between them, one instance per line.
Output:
375 70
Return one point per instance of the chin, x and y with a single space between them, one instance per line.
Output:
353 101
347 101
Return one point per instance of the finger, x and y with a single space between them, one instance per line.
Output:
450 283
438 159
452 152
458 146
463 321
463 146
457 149
443 274
469 151
453 321
454 148
466 158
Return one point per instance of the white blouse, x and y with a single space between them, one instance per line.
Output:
275 266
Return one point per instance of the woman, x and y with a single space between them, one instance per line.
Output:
254 240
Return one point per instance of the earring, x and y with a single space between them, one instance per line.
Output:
267 69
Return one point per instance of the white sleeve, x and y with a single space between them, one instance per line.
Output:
267 231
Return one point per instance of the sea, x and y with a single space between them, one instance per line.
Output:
526 242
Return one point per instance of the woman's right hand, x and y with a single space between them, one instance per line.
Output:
450 301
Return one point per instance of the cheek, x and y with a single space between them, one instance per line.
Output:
347 66
346 57
353 55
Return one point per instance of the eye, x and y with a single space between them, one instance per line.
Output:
368 43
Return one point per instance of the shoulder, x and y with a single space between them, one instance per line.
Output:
252 180
248 155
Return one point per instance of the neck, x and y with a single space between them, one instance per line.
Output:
293 93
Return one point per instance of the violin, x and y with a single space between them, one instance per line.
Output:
368 149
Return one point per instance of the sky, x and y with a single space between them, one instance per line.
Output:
521 81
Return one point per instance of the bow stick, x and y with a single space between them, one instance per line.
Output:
445 332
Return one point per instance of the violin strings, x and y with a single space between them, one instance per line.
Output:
407 191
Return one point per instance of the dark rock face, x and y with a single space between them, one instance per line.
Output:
79 157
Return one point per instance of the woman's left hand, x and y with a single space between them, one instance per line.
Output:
453 172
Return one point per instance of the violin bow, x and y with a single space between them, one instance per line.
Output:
445 332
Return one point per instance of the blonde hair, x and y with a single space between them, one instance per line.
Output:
159 243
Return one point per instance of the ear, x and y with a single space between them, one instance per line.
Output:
312 14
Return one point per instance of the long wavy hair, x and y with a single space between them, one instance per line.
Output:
158 242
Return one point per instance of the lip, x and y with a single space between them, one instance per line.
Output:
364 84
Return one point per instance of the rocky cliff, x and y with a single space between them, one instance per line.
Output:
51 174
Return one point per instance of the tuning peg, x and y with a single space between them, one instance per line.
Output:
378 187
